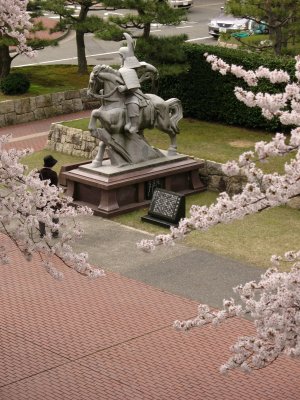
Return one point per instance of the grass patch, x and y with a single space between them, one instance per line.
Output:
252 240
133 219
209 141
256 41
36 160
81 123
47 79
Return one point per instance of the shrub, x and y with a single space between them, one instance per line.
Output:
15 83
208 95
110 32
162 50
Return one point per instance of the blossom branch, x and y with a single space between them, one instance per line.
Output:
274 301
274 304
25 201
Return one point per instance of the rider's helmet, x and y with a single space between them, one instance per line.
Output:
129 60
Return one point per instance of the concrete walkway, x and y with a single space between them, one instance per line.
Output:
191 273
112 338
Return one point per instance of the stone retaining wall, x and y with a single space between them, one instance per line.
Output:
80 143
212 175
35 108
72 141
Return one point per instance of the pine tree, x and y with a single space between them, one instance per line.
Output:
17 34
143 13
281 16
81 24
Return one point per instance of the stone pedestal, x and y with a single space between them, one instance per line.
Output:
111 190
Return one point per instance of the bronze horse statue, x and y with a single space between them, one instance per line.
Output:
123 147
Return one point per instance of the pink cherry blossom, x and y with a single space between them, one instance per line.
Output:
24 201
274 301
15 23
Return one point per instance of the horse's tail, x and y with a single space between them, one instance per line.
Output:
175 110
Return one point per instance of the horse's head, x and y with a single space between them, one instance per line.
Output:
95 83
103 82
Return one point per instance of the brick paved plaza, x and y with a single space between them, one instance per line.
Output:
112 338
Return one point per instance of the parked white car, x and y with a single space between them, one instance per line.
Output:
181 3
226 23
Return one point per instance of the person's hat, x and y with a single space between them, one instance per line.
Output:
49 161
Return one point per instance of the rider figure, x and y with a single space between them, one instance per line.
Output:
135 99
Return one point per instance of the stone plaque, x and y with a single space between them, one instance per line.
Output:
166 208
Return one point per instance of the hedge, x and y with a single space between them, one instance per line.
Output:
208 95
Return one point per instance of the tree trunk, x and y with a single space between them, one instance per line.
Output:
146 33
82 63
5 61
277 39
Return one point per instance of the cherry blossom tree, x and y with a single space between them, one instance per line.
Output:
274 301
262 190
274 305
14 26
25 200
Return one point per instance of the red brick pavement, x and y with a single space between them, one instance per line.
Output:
112 338
46 33
34 134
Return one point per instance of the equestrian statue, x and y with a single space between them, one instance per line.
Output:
126 111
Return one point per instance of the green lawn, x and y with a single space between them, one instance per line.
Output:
35 160
253 41
206 140
253 239
50 79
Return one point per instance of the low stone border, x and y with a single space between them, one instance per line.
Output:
212 175
75 142
40 107
80 143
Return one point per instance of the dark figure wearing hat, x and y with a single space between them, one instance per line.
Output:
47 173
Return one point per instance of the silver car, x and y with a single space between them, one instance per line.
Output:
226 23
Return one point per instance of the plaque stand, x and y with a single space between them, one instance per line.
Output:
166 208
111 190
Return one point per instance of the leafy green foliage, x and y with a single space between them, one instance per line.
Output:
35 7
166 53
16 83
110 32
281 17
162 50
207 95
82 24
147 12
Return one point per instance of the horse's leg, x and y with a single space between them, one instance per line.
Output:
164 124
172 150
103 136
172 116
98 160
93 120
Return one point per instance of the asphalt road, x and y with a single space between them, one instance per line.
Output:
105 52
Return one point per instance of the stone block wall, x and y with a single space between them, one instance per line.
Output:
72 141
39 107
212 175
